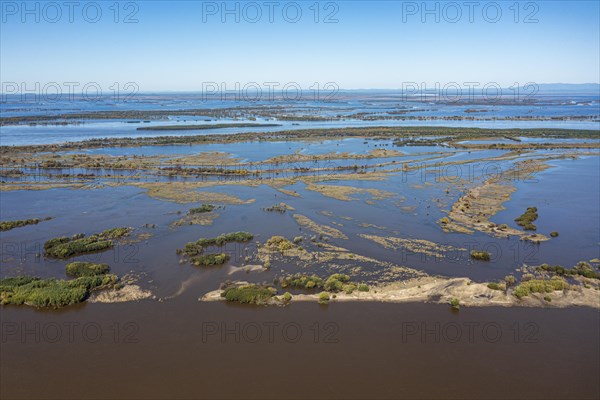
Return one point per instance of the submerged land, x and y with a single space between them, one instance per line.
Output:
454 181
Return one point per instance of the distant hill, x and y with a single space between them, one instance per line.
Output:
569 88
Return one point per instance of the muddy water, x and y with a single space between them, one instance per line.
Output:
185 349
174 346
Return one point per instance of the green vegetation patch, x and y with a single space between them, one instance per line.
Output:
64 247
455 303
79 268
280 208
496 286
8 225
249 294
210 259
302 281
53 293
480 255
324 298
540 286
526 219
279 243
334 284
582 268
202 209
197 247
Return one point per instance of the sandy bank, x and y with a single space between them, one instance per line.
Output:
442 290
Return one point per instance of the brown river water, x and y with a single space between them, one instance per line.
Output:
181 348
184 349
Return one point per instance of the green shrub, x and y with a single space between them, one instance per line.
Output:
554 234
115 233
496 286
582 268
210 259
78 246
297 239
51 292
249 294
323 298
539 286
510 280
302 281
8 225
335 283
363 287
197 247
79 268
287 297
202 209
527 277
455 303
526 219
480 255
64 247
349 288
279 243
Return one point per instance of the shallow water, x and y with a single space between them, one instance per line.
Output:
352 350
187 349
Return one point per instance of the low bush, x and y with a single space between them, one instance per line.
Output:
455 303
279 243
302 281
324 298
64 247
335 283
79 268
202 209
210 259
480 255
496 286
51 292
8 225
249 294
539 286
526 219
582 268
197 247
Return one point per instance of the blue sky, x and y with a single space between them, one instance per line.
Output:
372 44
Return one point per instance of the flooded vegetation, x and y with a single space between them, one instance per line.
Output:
65 247
52 293
332 218
8 225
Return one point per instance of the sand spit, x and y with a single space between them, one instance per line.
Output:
472 212
186 192
442 290
324 230
345 193
128 292
414 245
